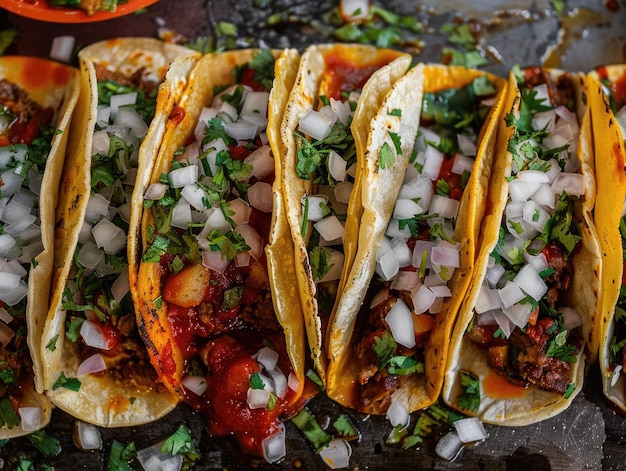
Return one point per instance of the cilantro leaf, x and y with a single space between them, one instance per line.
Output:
181 443
469 399
308 425
46 443
67 383
386 157
319 258
8 416
120 456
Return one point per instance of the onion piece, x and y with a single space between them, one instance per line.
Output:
330 228
444 207
398 415
241 130
6 334
5 316
195 384
423 298
315 124
354 10
337 166
293 382
387 266
260 197
470 430
62 48
130 118
109 237
510 294
120 286
89 255
336 454
342 191
335 262
93 364
405 281
267 357
152 458
183 176
432 163
253 239
123 99
449 446
274 446
571 183
214 261
530 282
257 398
262 162
571 318
30 418
400 322
87 436
93 336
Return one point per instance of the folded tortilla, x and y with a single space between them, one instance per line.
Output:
358 378
605 102
55 88
236 299
543 312
340 75
108 398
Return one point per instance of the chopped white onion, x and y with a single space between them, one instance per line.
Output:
530 282
398 415
97 207
400 322
241 130
337 454
467 146
88 436
337 166
214 261
130 118
122 100
487 299
30 418
470 430
510 294
518 313
571 318
406 209
253 239
330 228
432 164
62 48
260 197
423 298
257 398
268 357
444 207
571 183
354 10
109 237
93 337
120 286
387 266
183 176
316 125
405 281
92 364
6 334
241 211
449 446
262 162
195 384
5 316
343 190
153 459
293 382
274 446
335 262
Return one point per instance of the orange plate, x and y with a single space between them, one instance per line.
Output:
43 11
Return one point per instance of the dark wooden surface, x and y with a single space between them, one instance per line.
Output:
589 435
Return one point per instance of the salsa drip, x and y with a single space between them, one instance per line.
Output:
544 351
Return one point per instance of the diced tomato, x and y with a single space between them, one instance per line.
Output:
21 133
238 152
188 287
453 179
247 78
532 319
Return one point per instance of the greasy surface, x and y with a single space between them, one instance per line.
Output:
572 440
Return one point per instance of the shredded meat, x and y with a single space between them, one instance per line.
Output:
137 79
17 101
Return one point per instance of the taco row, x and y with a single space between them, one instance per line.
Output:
226 224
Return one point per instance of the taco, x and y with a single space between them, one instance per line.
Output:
324 132
529 321
36 102
606 101
390 331
219 312
96 367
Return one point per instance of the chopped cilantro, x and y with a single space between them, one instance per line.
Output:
305 421
344 427
319 258
120 456
256 382
45 443
72 328
8 416
67 383
181 443
469 399
386 157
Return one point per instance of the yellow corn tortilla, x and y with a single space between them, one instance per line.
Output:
610 191
216 70
51 85
379 193
99 400
311 82
535 404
